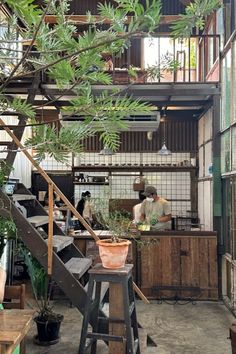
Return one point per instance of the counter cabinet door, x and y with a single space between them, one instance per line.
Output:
159 265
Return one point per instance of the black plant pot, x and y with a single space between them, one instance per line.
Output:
48 331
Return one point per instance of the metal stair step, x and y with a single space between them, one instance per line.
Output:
38 220
78 266
20 197
61 242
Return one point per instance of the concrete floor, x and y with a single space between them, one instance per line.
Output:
177 329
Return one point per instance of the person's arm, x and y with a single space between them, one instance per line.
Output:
164 218
3 276
142 211
167 213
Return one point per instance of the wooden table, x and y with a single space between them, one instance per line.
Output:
14 325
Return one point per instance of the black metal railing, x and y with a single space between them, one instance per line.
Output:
165 59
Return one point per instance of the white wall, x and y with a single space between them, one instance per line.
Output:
22 166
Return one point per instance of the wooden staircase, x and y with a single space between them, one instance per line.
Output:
70 267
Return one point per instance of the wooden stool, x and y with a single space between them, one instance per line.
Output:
123 279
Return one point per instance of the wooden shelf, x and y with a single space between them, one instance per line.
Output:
93 183
133 168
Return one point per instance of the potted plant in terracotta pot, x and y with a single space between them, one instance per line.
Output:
113 251
48 322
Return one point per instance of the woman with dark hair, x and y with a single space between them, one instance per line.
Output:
85 208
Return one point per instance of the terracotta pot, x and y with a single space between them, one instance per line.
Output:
113 255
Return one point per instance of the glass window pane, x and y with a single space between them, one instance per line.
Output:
226 91
226 213
234 80
225 152
234 149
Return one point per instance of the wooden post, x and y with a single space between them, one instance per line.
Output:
50 226
116 311
61 195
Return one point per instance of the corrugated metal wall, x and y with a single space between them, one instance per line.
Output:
181 136
78 7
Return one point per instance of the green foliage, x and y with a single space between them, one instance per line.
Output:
7 226
7 231
194 17
22 107
5 170
169 63
154 72
59 145
39 282
37 274
117 221
26 10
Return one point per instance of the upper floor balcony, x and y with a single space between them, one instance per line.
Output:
162 59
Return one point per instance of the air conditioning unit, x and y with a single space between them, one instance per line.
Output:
141 122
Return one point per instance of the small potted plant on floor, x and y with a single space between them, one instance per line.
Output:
48 322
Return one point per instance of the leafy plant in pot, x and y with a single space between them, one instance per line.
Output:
48 322
113 252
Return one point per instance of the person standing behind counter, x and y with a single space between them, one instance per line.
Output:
85 208
137 208
155 210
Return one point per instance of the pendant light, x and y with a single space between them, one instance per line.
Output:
106 151
164 151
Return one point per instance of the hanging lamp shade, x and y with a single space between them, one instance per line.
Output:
106 151
164 151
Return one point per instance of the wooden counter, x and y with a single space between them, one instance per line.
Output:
181 265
